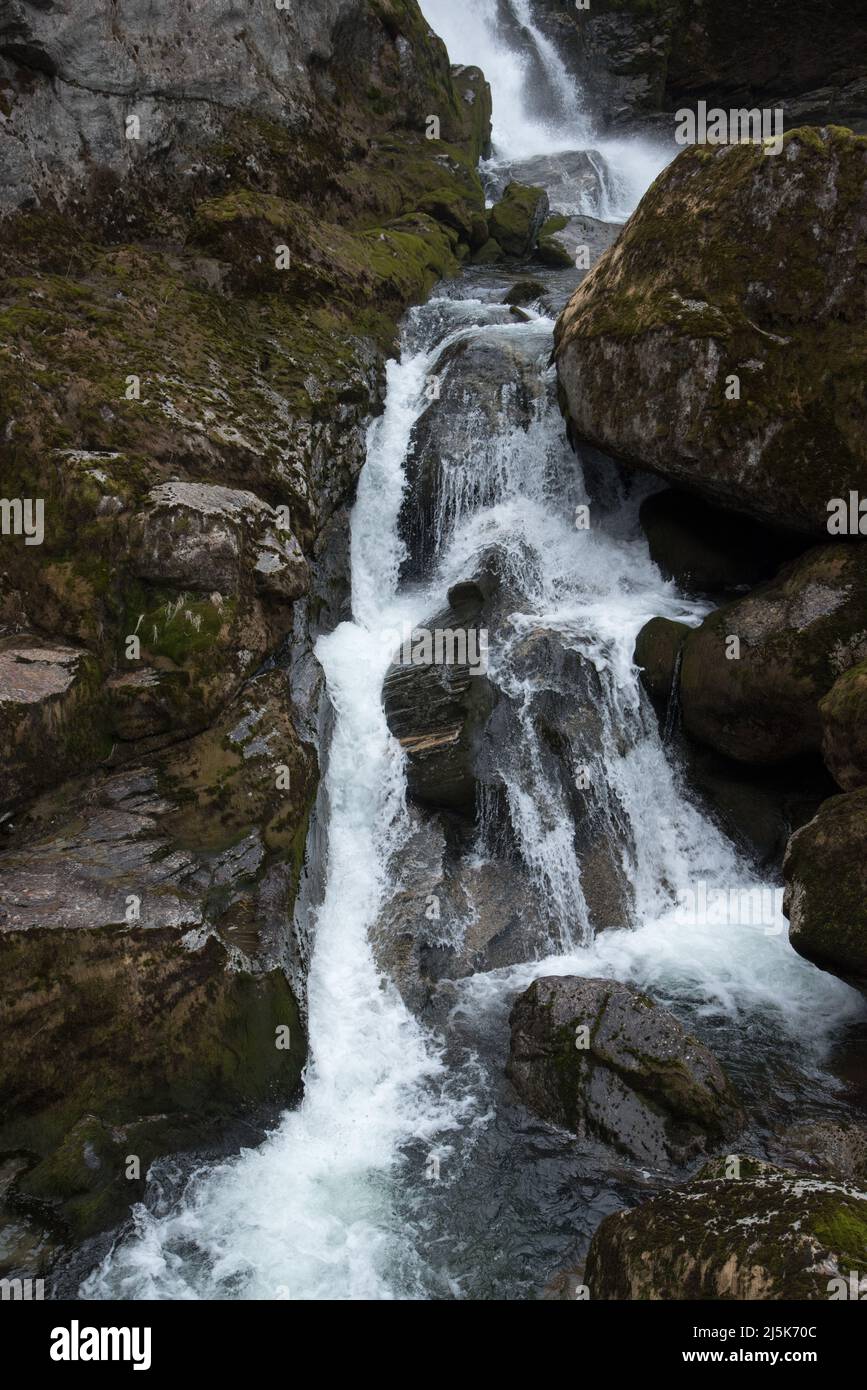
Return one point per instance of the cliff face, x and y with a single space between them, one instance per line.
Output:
213 216
636 58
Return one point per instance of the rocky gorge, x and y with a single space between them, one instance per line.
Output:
328 971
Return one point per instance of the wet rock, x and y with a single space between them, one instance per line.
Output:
834 1147
438 700
453 912
844 728
826 888
743 351
455 457
51 714
524 292
758 702
516 220
574 181
603 1060
758 808
707 551
476 104
658 648
767 1235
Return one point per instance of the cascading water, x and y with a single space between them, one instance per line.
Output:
514 65
408 1171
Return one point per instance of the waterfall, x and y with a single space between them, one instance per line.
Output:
407 1171
538 106
337 1203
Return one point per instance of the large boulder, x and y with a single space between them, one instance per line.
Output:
516 220
844 728
826 888
732 365
757 699
744 1231
603 1060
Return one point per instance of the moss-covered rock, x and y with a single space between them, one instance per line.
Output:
826 888
603 1060
763 1234
145 957
755 671
516 220
718 342
844 728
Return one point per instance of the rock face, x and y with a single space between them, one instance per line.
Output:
796 636
844 728
767 1234
51 715
826 888
145 958
729 366
516 220
601 1059
635 59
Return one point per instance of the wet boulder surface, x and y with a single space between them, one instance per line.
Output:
765 1234
601 1059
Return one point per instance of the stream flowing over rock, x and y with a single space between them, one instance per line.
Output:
397 775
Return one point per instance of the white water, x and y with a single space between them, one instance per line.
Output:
319 1211
473 36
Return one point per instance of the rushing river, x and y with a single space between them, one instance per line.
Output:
409 1171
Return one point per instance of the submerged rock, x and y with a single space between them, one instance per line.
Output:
718 343
755 671
766 1234
599 1058
826 888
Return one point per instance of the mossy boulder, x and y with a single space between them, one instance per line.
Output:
524 292
754 672
603 1060
844 728
765 1234
516 220
657 650
720 342
825 871
476 106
